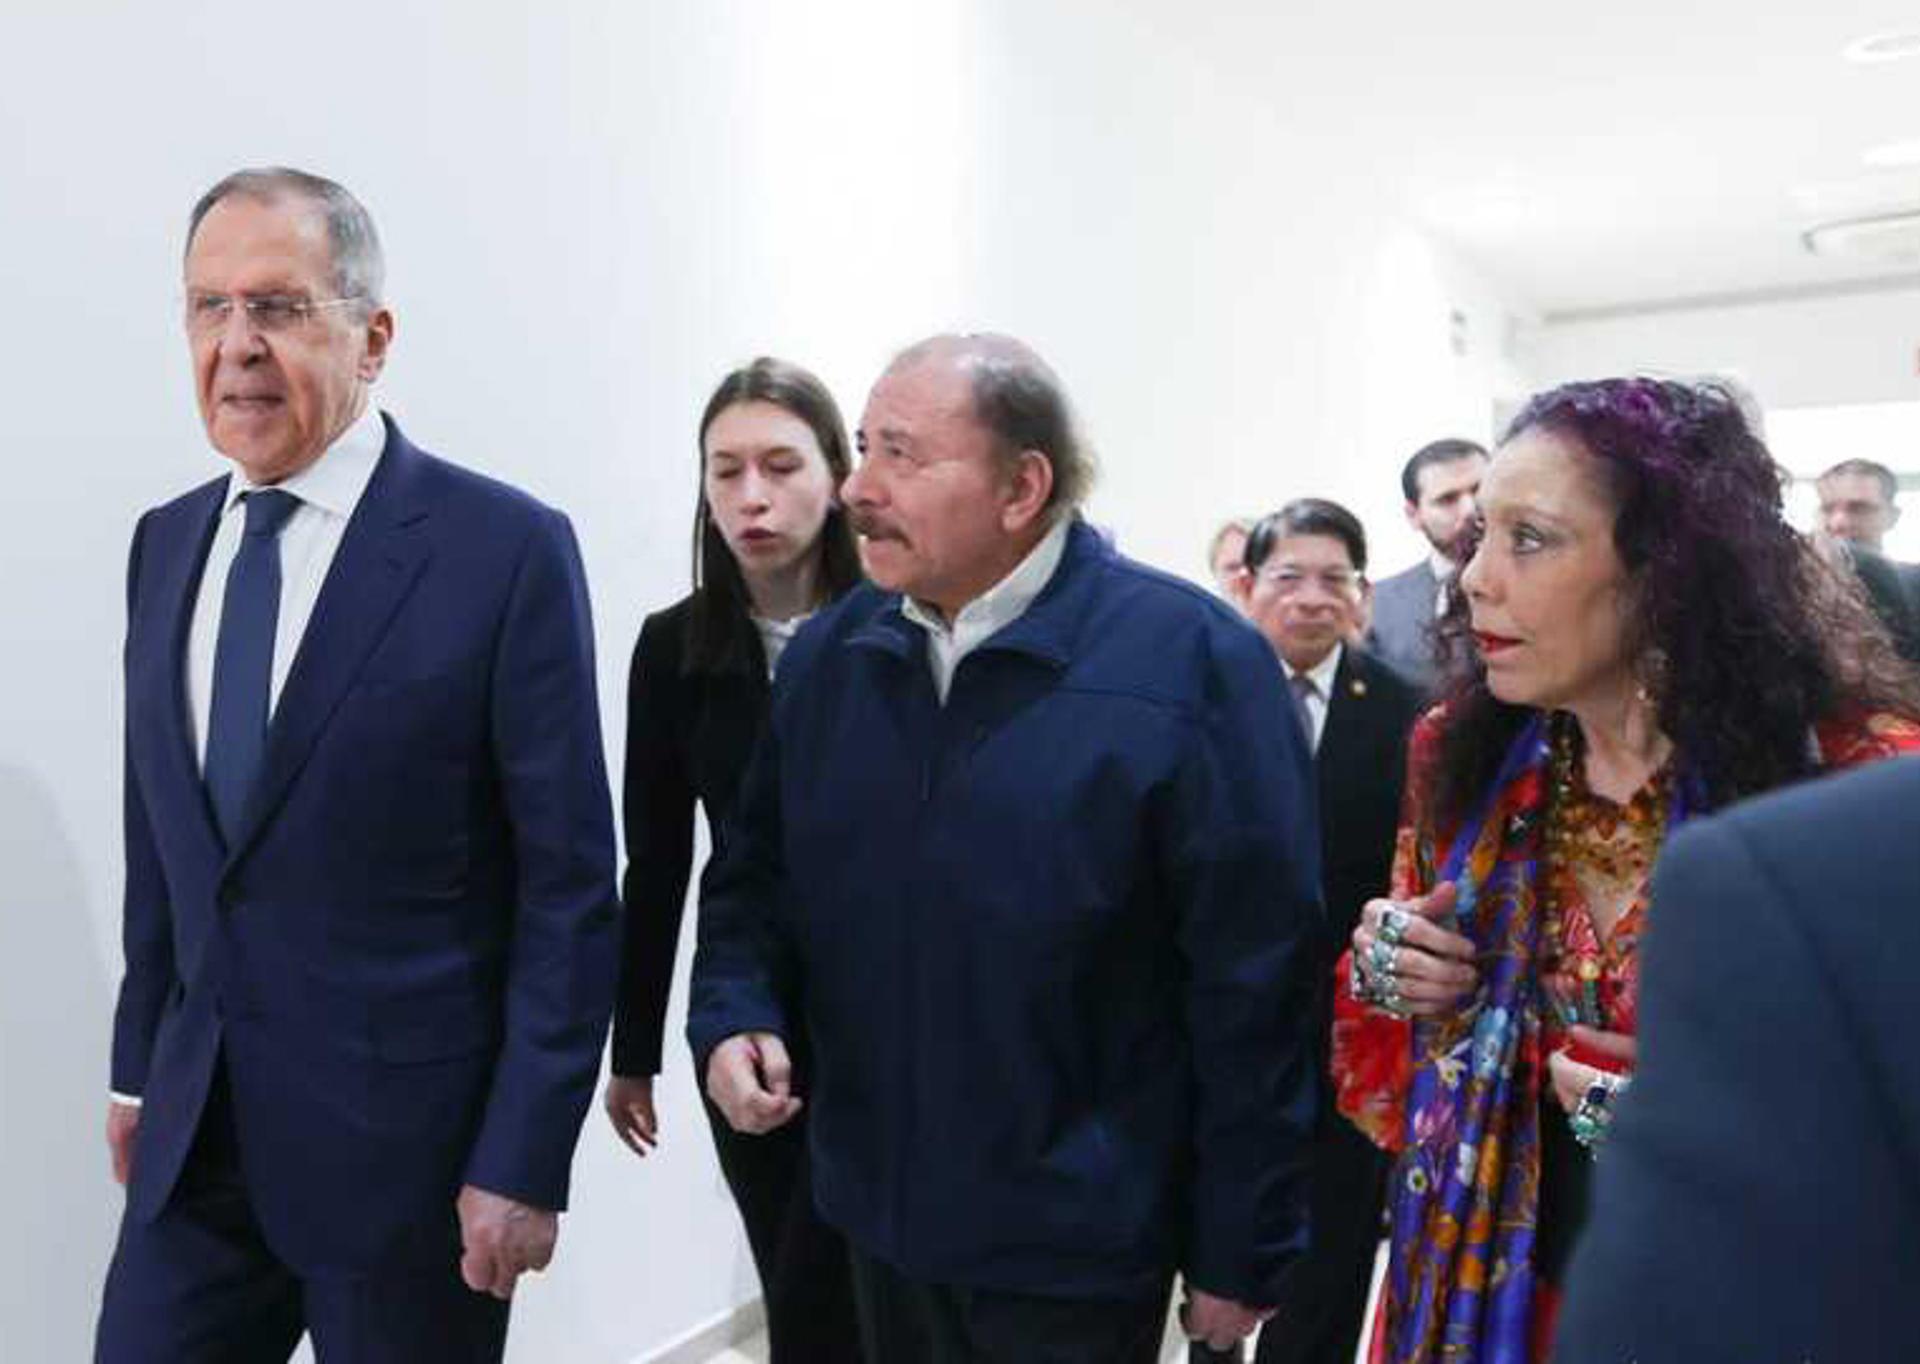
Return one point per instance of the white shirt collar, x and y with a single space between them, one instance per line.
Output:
1443 567
1007 600
335 481
1320 674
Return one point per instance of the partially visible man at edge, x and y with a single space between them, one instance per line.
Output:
1857 508
370 907
1029 848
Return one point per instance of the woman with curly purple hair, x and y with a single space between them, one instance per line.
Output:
1637 637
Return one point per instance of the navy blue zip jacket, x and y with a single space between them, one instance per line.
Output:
1051 940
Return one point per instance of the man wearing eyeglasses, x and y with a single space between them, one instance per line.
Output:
369 856
1304 583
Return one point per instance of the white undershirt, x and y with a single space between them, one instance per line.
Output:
775 635
989 613
329 489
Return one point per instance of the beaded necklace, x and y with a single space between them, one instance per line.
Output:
1597 852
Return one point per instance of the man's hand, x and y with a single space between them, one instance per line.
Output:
630 1110
123 1120
750 1079
501 1238
1219 1323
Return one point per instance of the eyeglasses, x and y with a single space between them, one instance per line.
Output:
1287 580
266 313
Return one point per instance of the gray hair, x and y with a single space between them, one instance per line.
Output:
1023 405
359 266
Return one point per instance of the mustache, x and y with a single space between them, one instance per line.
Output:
873 527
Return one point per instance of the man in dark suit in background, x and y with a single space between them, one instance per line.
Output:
369 919
1440 484
1758 1192
1857 508
1304 579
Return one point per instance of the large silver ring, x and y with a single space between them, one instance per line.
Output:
1382 956
1387 996
1393 925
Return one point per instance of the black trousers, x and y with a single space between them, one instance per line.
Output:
200 1285
1321 1320
907 1321
805 1280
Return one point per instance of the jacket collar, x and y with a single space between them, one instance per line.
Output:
1045 631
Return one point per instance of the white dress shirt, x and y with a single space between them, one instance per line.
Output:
986 615
1321 675
329 489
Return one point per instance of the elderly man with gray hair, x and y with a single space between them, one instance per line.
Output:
1028 850
370 908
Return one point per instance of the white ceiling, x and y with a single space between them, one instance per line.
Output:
1595 156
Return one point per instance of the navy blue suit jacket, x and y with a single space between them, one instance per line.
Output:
406 957
1759 1197
1053 941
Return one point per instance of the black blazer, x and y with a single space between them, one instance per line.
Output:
1361 766
1758 1196
689 736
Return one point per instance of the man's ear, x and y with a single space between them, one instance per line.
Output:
379 340
1028 488
1411 510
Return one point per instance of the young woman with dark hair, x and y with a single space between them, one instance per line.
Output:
1637 637
771 545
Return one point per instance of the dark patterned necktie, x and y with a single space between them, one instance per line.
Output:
243 658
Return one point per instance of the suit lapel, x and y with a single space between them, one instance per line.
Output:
377 565
1341 723
175 766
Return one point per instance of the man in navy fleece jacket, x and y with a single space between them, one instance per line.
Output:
1029 851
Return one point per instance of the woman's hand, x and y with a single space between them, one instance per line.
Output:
1408 962
1572 1078
630 1110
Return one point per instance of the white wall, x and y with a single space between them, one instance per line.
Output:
591 210
1221 280
1855 348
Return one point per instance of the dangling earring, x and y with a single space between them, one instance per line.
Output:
1652 683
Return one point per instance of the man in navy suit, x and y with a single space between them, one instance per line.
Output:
369 856
1758 1193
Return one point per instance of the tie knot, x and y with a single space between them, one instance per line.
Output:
1303 687
268 510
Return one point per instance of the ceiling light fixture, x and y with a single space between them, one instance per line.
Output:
1894 154
1883 47
1891 237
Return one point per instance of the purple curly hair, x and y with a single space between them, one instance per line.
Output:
1745 635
